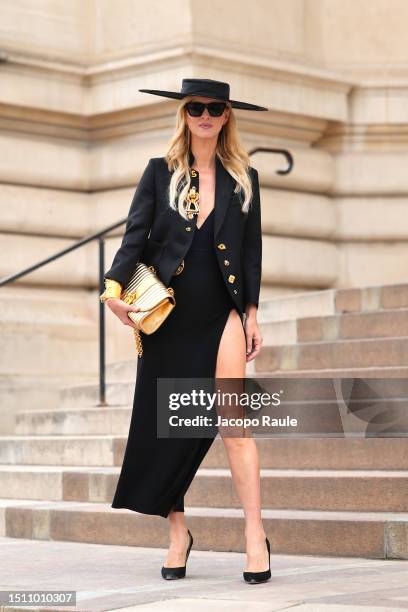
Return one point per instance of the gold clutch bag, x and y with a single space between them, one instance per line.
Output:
156 301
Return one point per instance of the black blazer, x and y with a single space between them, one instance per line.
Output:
159 236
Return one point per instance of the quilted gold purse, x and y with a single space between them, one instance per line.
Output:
155 300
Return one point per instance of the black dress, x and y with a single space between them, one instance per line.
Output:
156 472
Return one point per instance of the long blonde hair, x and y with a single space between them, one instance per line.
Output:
229 150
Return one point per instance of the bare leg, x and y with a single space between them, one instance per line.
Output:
242 451
179 540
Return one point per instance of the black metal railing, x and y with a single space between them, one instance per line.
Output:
99 236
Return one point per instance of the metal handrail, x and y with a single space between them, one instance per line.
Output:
99 236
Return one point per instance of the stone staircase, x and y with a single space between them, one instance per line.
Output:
321 496
48 340
350 332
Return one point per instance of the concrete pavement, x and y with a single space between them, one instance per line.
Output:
108 578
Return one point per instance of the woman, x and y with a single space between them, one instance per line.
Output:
209 252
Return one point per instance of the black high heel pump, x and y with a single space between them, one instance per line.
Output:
255 577
171 573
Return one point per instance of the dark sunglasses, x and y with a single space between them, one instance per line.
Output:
196 109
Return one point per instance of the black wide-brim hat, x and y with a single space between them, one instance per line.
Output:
208 88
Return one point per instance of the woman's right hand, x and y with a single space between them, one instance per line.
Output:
120 309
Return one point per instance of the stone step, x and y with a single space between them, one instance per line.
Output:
380 324
48 348
49 338
121 379
321 453
62 450
58 483
377 535
296 305
337 490
121 371
335 373
314 403
363 353
33 392
125 372
36 305
278 333
276 453
370 298
24 392
87 395
103 420
333 301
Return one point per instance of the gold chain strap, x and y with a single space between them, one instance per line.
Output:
138 341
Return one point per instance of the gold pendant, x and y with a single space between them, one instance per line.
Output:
192 207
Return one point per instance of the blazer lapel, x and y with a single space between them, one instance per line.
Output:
224 190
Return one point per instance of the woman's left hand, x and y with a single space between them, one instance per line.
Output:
253 337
